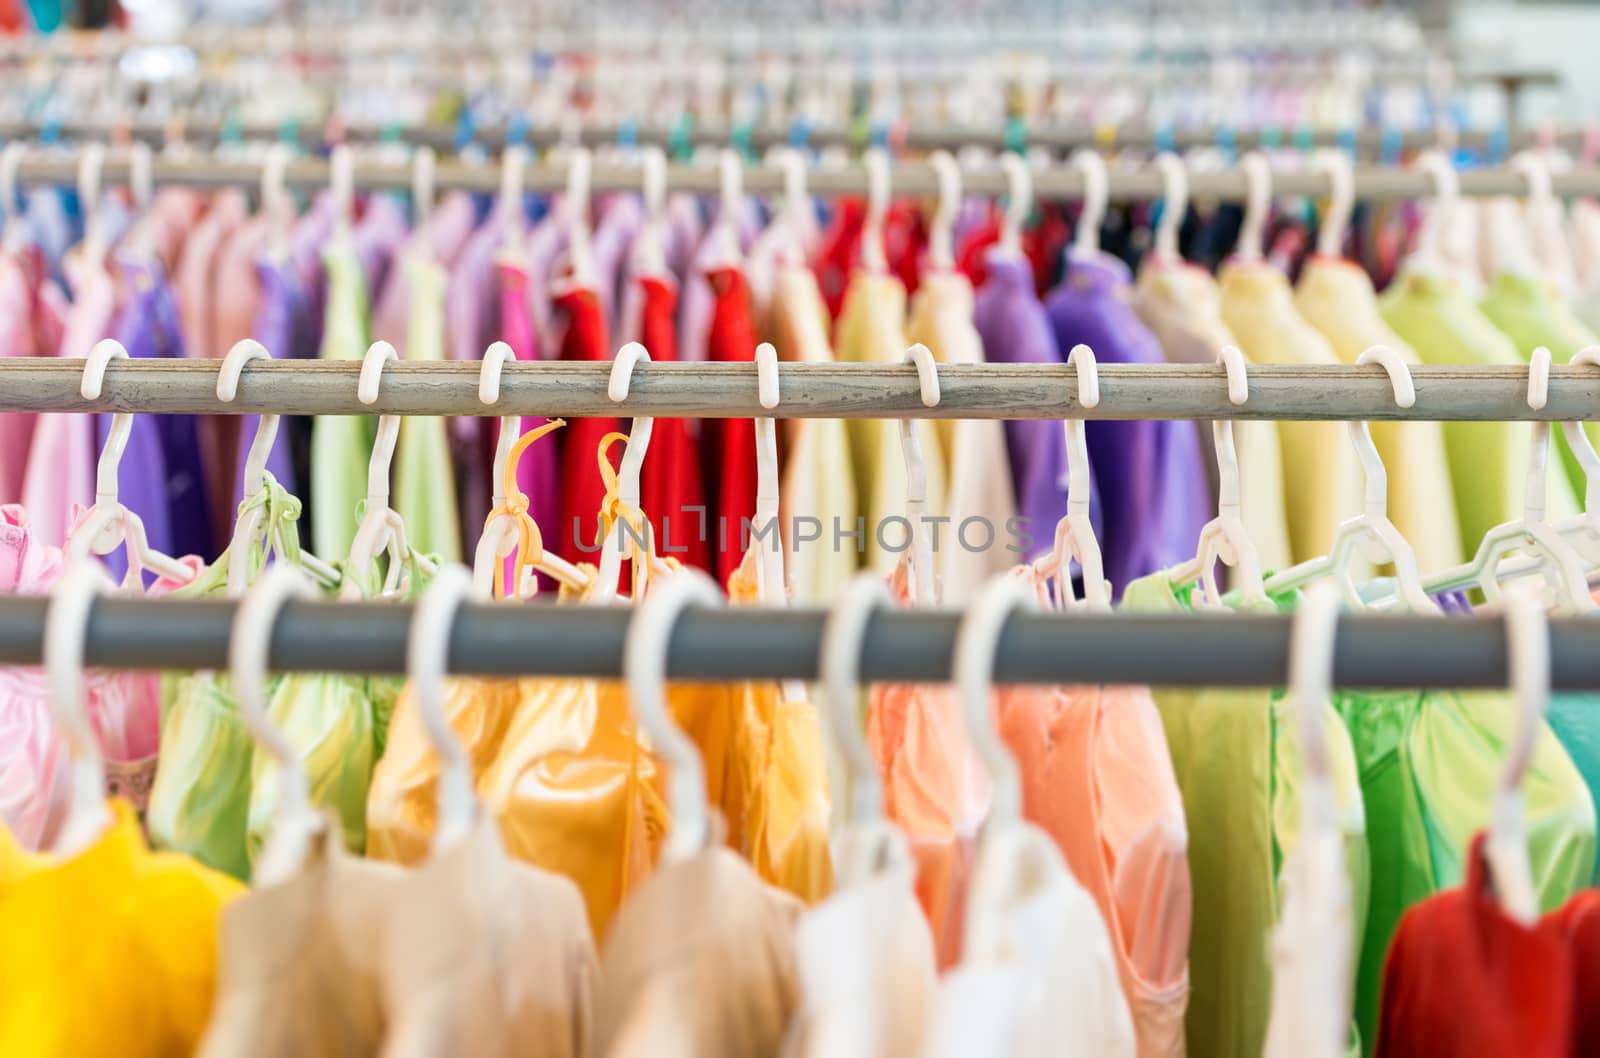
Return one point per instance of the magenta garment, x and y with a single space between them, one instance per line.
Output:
283 324
536 470
62 458
377 237
29 326
1015 330
1150 475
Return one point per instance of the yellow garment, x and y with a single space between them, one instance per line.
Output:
1336 297
870 332
818 490
1321 476
16 862
110 952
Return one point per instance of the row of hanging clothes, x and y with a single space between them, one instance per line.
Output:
1164 825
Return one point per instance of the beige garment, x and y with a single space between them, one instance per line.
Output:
1336 297
302 960
974 450
1321 475
699 963
1182 306
871 331
487 957
818 489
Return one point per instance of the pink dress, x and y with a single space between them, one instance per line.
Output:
30 325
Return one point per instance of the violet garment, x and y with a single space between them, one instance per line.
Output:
377 239
284 326
311 232
620 221
1015 330
1150 476
471 322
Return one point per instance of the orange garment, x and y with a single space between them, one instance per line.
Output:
933 786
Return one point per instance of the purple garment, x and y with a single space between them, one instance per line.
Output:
378 236
620 221
1453 602
1150 475
161 478
471 322
282 322
545 246
311 233
1015 330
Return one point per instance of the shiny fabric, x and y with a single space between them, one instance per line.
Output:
340 443
728 446
671 482
536 470
111 951
424 480
1237 762
581 490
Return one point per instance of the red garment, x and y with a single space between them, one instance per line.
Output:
581 489
670 482
905 240
728 456
972 256
836 255
1045 244
1579 922
1465 981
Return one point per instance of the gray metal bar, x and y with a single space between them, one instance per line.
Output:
807 391
740 644
1056 182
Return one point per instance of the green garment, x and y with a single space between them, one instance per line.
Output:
1575 718
1532 313
1437 316
340 444
1236 757
424 486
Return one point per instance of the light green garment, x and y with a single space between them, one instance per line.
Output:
1533 313
1236 758
340 444
1437 316
424 486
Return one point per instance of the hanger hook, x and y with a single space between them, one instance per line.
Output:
141 181
1341 200
1536 171
92 385
874 255
513 170
1174 205
66 627
645 671
1075 532
1376 475
617 389
653 175
921 549
10 164
423 164
972 672
1257 204
1086 238
770 574
1578 441
844 637
941 233
1019 201
342 179
793 161
1312 639
428 644
255 464
1528 661
274 172
1533 496
91 163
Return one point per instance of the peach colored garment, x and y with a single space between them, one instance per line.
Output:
173 214
197 271
235 301
934 788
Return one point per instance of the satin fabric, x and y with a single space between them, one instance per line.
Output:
581 489
728 446
340 443
423 473
671 482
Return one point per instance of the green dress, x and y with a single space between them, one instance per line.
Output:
340 444
424 485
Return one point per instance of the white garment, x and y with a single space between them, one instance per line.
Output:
1311 953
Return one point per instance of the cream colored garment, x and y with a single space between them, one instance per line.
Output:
818 489
699 963
487 957
1037 978
973 450
1182 306
302 962
1311 954
1321 476
865 961
870 331
1336 297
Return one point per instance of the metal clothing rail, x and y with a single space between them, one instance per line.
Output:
1060 182
747 643
832 391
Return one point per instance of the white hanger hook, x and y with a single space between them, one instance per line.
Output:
379 354
730 184
767 375
1019 201
423 164
941 232
1232 360
1341 200
91 163
66 627
628 490
1536 171
94 368
1534 491
1174 205
255 467
1578 441
972 672
874 256
793 161
653 174
1229 498
274 173
513 170
644 671
1258 203
621 379
1405 394
1376 475
1446 180
428 643
342 179
844 635
495 359
1088 370
1086 238
1312 638
1528 661
921 548
141 181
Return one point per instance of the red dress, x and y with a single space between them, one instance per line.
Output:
728 446
671 489
581 489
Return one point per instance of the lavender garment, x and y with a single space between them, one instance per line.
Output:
1150 475
546 244
685 228
282 322
311 233
161 478
1453 602
471 322
49 227
378 237
620 221
1015 330
696 304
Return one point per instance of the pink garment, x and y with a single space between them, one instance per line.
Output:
196 275
173 214
30 325
471 322
61 460
124 708
236 301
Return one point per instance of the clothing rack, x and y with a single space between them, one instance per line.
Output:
843 391
745 643
1059 181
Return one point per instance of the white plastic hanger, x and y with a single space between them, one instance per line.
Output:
342 181
275 201
644 671
1075 537
107 523
924 588
1257 204
501 532
1086 236
141 184
297 823
1506 846
513 168
1341 200
796 203
1428 255
580 245
621 540
1174 205
730 201
381 527
16 228
1372 528
649 248
772 585
1311 652
1545 221
427 662
874 256
423 164
91 162
941 230
1225 538
66 626
1019 202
